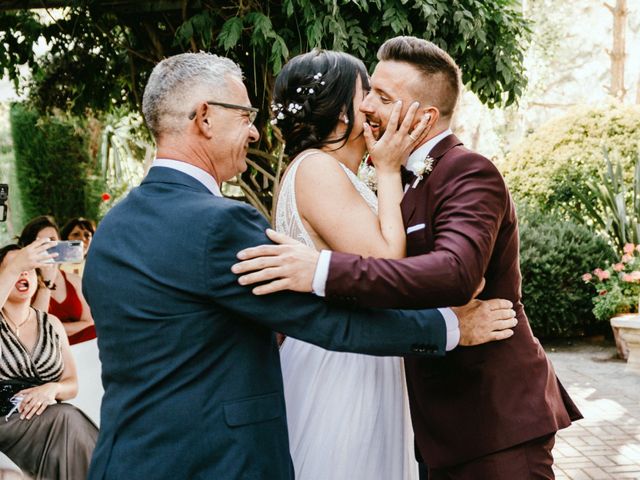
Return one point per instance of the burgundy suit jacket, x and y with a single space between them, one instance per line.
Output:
475 400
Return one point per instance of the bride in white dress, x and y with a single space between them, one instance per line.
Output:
348 414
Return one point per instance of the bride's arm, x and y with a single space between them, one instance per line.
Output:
334 209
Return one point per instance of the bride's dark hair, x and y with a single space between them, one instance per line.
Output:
310 94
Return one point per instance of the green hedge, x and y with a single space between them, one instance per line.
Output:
554 253
569 149
54 169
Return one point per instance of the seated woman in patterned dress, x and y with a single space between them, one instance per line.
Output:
45 438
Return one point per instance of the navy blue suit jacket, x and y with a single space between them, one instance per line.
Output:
191 370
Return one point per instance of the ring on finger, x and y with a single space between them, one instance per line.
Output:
412 137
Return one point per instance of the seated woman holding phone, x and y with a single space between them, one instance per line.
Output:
44 438
59 292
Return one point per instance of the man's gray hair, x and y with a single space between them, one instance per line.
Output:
177 83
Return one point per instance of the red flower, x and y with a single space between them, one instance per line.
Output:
105 197
602 292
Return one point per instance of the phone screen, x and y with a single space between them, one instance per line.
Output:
70 251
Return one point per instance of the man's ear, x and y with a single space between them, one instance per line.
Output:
203 119
434 115
432 112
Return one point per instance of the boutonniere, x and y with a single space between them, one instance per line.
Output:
422 170
367 174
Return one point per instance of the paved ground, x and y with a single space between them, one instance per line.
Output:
606 444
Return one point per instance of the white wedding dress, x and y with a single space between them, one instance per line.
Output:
348 414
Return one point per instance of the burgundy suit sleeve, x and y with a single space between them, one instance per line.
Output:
467 204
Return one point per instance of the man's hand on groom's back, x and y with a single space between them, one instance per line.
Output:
483 321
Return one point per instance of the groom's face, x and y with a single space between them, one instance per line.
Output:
391 81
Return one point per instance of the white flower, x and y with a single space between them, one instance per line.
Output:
422 169
367 173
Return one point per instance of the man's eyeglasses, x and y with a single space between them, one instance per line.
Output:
253 112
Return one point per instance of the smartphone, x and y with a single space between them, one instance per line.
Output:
71 251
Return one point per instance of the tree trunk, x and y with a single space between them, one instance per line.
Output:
617 53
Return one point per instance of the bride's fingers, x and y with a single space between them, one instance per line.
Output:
408 119
392 126
368 137
421 131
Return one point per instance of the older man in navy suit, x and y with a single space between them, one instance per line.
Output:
191 371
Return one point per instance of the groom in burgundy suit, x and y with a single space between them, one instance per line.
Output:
486 412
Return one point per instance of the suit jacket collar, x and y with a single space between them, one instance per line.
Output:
444 145
198 173
419 154
175 177
408 205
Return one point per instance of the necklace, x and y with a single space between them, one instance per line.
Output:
15 325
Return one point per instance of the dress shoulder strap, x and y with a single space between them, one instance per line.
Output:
287 218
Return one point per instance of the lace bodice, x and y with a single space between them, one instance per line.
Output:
287 218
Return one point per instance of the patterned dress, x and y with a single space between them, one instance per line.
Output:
348 414
57 444
43 364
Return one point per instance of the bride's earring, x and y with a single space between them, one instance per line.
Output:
345 119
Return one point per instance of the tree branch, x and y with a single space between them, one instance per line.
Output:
120 44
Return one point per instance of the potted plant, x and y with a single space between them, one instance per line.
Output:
618 295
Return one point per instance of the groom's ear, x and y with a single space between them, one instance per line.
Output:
432 112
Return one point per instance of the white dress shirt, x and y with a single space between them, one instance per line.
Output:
199 174
322 268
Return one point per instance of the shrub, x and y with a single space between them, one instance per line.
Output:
554 253
566 151
54 170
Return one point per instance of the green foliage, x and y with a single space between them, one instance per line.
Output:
8 176
565 152
53 165
610 206
486 38
100 58
554 253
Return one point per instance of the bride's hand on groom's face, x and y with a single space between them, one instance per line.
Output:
288 265
393 148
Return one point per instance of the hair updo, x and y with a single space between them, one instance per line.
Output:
310 94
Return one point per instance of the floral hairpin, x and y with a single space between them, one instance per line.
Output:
293 108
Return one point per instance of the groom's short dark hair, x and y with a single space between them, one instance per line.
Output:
436 65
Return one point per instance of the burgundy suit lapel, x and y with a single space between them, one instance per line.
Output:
412 196
443 146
